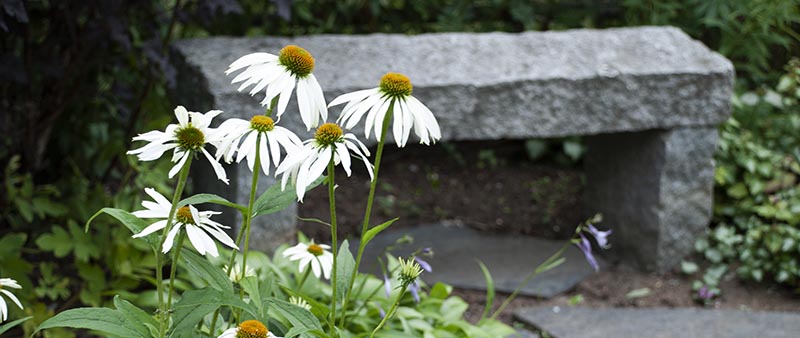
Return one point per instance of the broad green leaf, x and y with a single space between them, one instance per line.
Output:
196 304
345 263
133 223
8 326
297 316
275 199
453 309
99 319
133 313
374 231
296 331
201 267
250 285
210 198
489 291
440 290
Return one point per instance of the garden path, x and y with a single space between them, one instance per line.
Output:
569 322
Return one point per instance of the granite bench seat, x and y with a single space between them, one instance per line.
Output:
648 100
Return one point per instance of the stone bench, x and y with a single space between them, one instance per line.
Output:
647 99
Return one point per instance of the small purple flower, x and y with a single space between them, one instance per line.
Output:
387 285
586 247
423 264
414 289
600 236
383 313
427 251
705 293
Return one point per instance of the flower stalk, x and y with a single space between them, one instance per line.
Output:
370 200
334 242
162 307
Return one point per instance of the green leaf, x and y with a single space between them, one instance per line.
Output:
99 319
201 267
453 309
133 223
196 304
297 316
440 290
83 246
58 242
210 198
638 293
550 264
374 231
489 291
250 285
688 267
275 199
573 149
133 313
345 263
8 326
317 307
535 148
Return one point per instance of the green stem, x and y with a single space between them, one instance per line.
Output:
527 279
391 311
228 273
253 190
303 279
174 268
244 232
163 313
370 200
334 242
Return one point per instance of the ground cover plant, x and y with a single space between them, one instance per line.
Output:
252 295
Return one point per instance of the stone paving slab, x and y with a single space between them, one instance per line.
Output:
522 333
509 258
574 322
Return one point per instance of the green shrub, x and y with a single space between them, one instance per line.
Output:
757 206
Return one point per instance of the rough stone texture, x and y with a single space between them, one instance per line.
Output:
523 85
654 189
573 322
522 333
509 258
532 84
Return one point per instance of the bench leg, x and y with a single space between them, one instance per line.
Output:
654 189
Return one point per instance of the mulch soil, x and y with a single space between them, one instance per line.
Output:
493 186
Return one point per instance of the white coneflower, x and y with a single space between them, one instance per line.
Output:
279 74
8 283
260 128
236 272
308 163
300 302
409 271
189 136
394 91
248 329
316 255
198 225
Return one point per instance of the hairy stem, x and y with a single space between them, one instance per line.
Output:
163 313
334 242
391 310
370 200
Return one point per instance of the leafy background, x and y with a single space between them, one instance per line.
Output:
80 78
